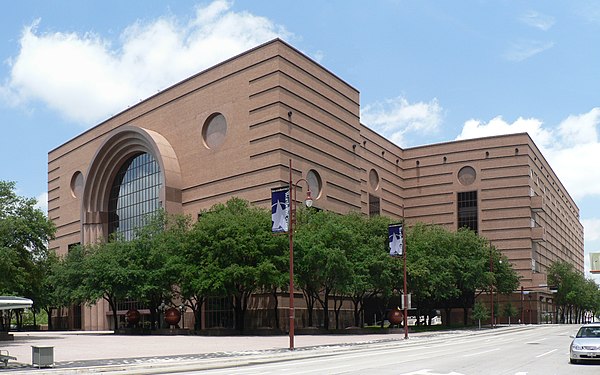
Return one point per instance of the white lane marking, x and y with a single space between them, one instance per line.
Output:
484 352
543 354
520 373
427 371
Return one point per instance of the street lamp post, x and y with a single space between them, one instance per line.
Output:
522 311
544 288
405 286
492 286
292 220
182 308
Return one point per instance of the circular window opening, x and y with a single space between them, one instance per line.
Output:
214 131
374 179
314 184
77 184
466 175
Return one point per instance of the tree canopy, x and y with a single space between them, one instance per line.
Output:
230 253
24 234
574 293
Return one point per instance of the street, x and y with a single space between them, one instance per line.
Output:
533 350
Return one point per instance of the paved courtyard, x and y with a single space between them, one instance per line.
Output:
82 352
90 349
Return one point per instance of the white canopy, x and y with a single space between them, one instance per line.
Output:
10 302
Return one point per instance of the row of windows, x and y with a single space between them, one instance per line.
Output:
466 206
467 210
134 195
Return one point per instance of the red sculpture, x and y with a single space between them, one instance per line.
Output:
395 316
133 316
172 316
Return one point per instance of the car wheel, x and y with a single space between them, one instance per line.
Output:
573 361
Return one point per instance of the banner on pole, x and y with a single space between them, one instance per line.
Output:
395 239
595 263
280 209
409 301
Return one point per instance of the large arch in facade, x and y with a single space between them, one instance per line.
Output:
119 146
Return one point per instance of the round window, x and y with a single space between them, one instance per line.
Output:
77 184
374 179
314 183
466 175
214 131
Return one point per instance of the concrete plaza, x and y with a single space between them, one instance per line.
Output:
85 352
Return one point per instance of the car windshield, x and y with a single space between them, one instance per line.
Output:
589 332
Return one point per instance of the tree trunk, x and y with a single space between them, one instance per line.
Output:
358 304
49 313
198 312
325 305
337 308
275 308
239 314
448 311
153 318
113 305
310 305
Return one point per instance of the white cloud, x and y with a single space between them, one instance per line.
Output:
538 20
580 129
318 56
572 148
42 202
592 229
394 118
524 49
87 78
497 125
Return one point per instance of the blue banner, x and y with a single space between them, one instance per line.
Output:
395 234
280 209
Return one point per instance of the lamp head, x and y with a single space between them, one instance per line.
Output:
308 201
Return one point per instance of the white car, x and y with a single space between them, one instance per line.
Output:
586 344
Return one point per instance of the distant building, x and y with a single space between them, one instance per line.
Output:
230 131
595 263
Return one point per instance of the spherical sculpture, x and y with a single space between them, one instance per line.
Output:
395 316
133 316
172 316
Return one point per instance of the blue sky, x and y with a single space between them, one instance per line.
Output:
428 71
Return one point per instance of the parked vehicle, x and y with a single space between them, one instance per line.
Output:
586 344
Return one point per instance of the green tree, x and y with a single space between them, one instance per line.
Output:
46 298
480 312
563 276
198 277
509 311
240 249
102 270
430 262
471 267
374 272
151 260
320 258
24 235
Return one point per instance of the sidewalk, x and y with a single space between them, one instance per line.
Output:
81 352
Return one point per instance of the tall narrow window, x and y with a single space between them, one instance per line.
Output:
219 312
467 210
374 208
134 195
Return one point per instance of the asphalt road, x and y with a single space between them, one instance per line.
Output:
538 350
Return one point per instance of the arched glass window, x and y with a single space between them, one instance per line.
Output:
135 194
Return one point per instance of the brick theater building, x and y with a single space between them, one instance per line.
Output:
231 131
